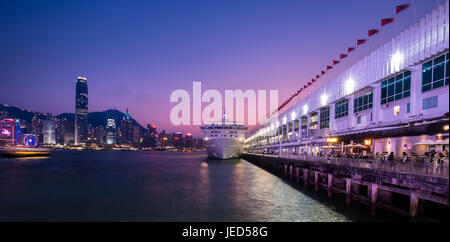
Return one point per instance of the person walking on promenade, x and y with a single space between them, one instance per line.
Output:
436 158
391 159
404 157
391 156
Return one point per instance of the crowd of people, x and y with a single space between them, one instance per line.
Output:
431 156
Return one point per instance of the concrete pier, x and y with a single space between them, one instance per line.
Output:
372 187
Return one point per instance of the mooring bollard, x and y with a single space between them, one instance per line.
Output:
285 170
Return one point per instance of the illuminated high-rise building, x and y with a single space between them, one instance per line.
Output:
81 111
110 131
48 131
126 128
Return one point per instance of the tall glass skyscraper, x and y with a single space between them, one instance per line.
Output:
81 111
126 128
49 132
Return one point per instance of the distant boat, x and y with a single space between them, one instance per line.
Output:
224 140
23 152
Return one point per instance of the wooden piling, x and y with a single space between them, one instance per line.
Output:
306 176
413 204
348 187
291 168
373 198
330 184
316 181
297 174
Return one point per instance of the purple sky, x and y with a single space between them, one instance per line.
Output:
135 53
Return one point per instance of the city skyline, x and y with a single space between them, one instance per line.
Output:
225 111
149 61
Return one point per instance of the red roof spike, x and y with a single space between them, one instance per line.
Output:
350 49
386 21
323 72
317 76
372 32
329 67
360 41
342 56
400 8
313 80
335 62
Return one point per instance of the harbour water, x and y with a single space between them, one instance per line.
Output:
159 186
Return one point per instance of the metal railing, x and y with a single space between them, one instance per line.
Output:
426 167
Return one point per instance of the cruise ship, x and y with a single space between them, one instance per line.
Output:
224 140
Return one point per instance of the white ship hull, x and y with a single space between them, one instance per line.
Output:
224 147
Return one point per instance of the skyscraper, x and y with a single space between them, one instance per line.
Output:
81 111
110 131
49 132
126 127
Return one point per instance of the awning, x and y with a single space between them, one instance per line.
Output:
442 142
416 129
426 142
355 146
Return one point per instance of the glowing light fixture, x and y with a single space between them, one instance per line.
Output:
396 61
349 86
324 99
332 140
284 120
305 109
396 110
293 114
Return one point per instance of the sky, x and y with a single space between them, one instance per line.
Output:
136 53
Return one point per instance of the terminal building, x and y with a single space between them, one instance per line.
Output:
390 94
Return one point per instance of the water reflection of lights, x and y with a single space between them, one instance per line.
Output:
22 159
203 186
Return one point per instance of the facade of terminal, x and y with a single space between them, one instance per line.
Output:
390 94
